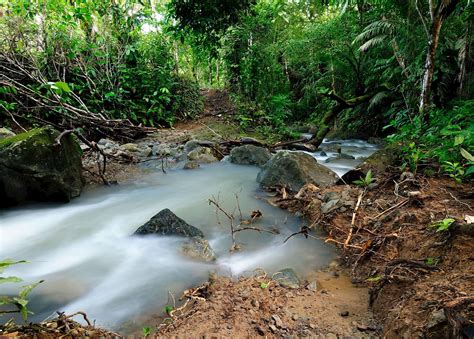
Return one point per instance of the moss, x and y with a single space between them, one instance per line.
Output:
19 137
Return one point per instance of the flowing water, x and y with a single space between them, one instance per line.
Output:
90 262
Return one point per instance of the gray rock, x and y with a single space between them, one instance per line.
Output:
331 196
202 155
161 150
250 140
295 169
330 206
108 146
130 147
34 167
6 133
250 155
437 317
199 249
277 319
332 147
303 147
191 165
168 223
345 156
287 278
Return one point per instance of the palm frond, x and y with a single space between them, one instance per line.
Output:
377 99
373 42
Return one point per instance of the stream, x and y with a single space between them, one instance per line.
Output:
90 262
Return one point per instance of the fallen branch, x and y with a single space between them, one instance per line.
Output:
354 214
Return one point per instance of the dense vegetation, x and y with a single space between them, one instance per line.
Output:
397 68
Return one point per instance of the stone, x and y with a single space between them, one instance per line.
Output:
330 147
313 286
379 161
191 165
287 278
294 170
330 206
168 223
345 156
276 318
6 133
108 146
260 330
197 248
250 155
437 317
250 140
130 147
202 155
344 314
273 328
303 147
34 167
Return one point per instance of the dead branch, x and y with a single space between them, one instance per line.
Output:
354 214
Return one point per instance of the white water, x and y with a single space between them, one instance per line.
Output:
90 262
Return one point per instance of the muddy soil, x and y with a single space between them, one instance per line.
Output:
328 305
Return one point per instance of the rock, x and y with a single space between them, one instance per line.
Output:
273 328
33 167
376 141
191 145
168 223
331 196
330 147
295 169
344 314
313 286
108 146
161 150
191 165
437 317
130 147
250 155
287 278
197 248
380 160
202 155
345 156
323 154
6 133
330 206
260 330
276 318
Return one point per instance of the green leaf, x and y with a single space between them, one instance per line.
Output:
458 140
469 171
10 280
263 285
27 289
62 86
467 155
7 262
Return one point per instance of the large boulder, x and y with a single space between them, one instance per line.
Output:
250 155
202 155
168 223
294 170
34 167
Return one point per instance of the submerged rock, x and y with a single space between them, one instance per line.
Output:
250 155
6 133
197 248
287 278
34 167
168 223
295 169
191 165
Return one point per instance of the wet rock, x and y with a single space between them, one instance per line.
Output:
34 167
202 155
380 160
6 133
191 165
295 169
345 156
250 155
332 147
313 286
323 154
197 248
168 223
287 278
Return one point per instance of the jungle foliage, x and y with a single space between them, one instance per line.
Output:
360 68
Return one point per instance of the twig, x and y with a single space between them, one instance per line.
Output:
400 204
354 214
457 200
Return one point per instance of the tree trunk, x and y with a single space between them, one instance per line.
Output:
429 67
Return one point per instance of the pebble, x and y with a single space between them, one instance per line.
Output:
344 313
260 330
273 328
277 320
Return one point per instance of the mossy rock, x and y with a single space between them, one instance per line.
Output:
33 167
